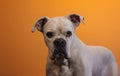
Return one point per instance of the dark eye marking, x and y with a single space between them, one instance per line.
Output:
49 34
68 33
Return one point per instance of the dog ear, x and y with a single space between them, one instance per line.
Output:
39 24
75 19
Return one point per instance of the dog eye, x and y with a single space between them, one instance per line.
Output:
49 34
68 33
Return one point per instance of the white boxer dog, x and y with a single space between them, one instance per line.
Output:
69 56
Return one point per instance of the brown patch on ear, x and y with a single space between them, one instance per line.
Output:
40 23
74 18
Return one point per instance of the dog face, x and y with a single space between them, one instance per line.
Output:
58 34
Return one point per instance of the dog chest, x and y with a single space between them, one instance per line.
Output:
59 71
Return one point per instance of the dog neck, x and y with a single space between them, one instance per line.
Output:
77 42
77 46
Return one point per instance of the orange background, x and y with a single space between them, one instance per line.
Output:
23 53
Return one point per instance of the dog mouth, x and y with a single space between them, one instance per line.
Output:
59 55
59 58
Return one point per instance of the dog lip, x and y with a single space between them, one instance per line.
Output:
59 56
59 59
59 52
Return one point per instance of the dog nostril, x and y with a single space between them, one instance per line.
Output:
59 42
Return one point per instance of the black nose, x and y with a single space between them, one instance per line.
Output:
60 42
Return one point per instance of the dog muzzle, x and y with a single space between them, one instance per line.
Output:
60 50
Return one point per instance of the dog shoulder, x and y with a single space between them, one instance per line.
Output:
99 49
101 52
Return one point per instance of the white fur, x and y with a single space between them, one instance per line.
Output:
93 60
86 60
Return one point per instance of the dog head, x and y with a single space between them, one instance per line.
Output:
58 34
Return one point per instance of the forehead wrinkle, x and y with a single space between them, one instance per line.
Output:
50 25
58 23
65 26
62 22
